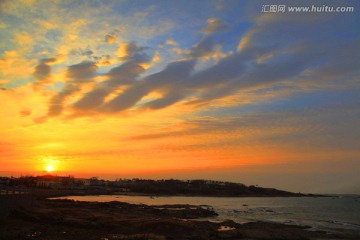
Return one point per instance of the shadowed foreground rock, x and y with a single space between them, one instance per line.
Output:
66 219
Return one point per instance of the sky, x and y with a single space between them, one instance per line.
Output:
222 90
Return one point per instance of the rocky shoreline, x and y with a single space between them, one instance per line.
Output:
67 219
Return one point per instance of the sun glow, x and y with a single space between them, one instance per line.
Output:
49 168
50 164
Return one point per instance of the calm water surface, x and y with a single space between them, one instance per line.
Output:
322 213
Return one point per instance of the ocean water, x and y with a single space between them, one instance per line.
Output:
332 214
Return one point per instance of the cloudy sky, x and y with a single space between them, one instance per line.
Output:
182 89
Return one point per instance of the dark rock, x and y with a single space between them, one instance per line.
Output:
117 220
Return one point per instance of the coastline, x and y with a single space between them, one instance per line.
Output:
67 219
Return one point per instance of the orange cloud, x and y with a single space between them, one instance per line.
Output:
110 39
214 25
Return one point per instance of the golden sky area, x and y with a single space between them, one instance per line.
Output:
154 89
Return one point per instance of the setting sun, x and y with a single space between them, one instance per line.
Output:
49 168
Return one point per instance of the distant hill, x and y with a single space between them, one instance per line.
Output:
142 186
200 188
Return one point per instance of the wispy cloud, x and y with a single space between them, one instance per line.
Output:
79 75
257 64
42 71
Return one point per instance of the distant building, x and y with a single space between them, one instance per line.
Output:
4 181
55 182
85 182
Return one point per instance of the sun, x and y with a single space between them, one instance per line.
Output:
49 168
50 164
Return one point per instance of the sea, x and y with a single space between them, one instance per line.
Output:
331 214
